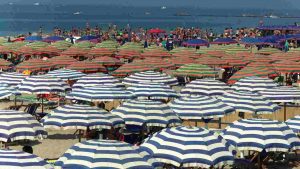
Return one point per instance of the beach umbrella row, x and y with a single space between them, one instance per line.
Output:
97 79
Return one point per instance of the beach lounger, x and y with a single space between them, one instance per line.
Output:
31 109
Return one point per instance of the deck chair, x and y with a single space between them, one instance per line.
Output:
31 109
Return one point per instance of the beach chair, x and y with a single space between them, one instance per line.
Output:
31 109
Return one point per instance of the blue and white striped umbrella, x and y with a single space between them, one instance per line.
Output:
100 93
6 91
249 102
11 78
260 134
42 85
200 107
282 94
94 154
150 77
81 117
152 91
66 74
188 147
97 79
209 87
294 123
16 125
13 159
147 112
254 84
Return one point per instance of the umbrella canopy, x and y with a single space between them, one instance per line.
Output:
282 94
249 102
209 87
224 41
188 147
196 42
95 154
294 124
100 93
49 50
6 91
53 39
287 66
252 71
19 126
147 112
73 51
254 84
4 64
156 31
150 77
152 91
87 38
11 78
34 65
98 52
26 50
37 45
252 41
87 67
130 68
61 61
84 45
108 61
33 38
261 134
66 74
62 45
200 107
97 79
81 117
42 85
195 70
13 159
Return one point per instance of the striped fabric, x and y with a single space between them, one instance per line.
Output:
16 125
81 117
5 91
152 91
282 94
13 159
66 74
209 87
100 93
147 112
150 77
42 85
200 107
260 134
95 154
294 123
97 79
11 78
249 102
188 147
254 84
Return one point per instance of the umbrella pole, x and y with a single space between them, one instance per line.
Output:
259 161
79 135
284 111
42 104
220 123
15 100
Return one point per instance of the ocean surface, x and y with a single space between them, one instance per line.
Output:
16 19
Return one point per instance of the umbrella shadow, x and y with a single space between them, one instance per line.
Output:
62 136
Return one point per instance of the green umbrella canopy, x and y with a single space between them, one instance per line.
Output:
84 44
62 45
37 45
195 70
